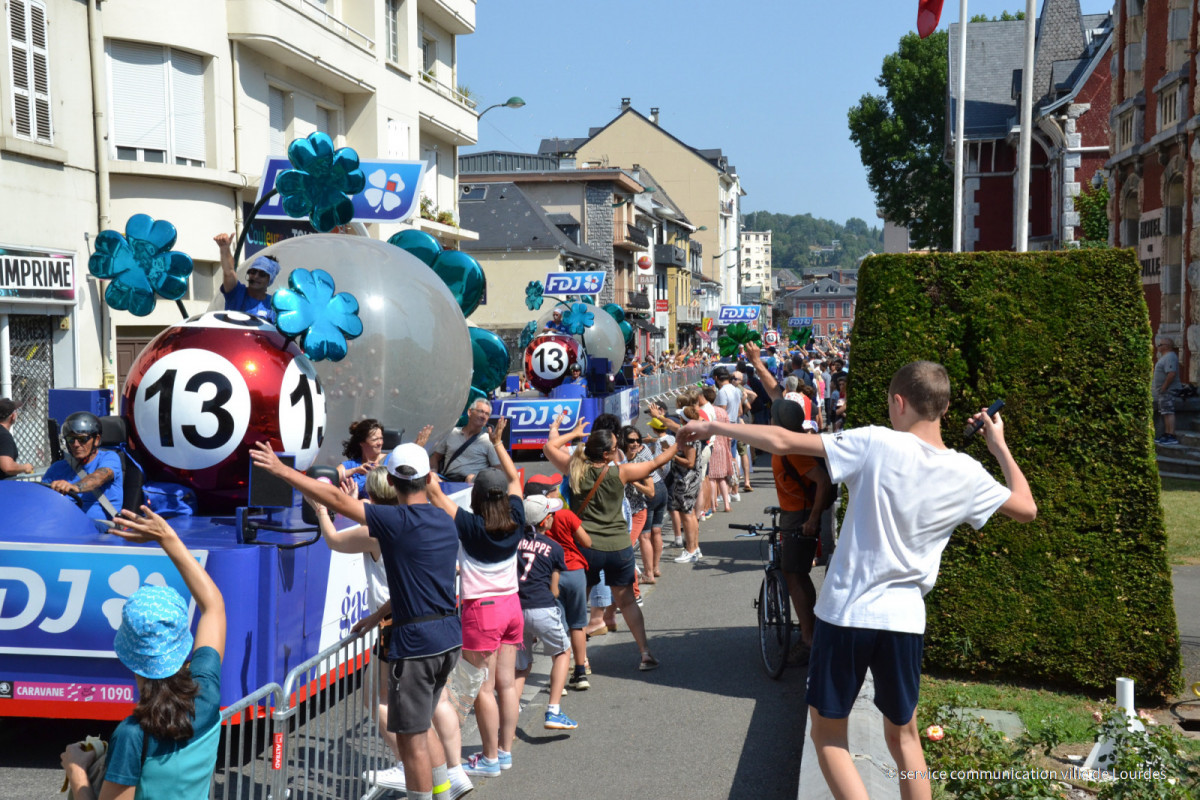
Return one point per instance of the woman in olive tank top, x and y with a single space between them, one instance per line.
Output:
597 490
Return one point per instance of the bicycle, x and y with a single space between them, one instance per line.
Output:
773 602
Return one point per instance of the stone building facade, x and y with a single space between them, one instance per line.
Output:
1152 176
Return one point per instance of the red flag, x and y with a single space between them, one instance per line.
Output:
928 14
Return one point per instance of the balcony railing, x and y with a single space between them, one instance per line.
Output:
668 255
629 237
318 11
449 92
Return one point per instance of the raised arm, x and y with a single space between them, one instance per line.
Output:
150 527
632 473
1020 505
228 268
554 449
770 385
433 487
318 491
349 540
771 438
506 462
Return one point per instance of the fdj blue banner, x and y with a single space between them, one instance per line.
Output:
535 416
732 314
800 322
390 196
66 600
574 283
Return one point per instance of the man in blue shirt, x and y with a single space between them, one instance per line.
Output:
102 468
250 297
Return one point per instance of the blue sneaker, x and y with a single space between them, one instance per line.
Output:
481 767
505 759
560 722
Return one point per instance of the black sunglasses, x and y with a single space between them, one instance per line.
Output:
632 441
81 437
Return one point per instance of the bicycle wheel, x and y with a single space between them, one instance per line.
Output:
774 623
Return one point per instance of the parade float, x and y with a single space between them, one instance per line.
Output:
363 329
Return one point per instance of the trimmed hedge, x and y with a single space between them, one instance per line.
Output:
1083 594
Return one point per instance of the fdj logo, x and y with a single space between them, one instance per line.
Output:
354 608
574 282
44 595
536 415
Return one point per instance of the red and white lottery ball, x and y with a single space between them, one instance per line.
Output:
205 390
547 358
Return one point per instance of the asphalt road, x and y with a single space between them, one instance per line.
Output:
707 723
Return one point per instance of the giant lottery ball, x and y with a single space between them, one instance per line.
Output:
602 339
205 390
547 358
412 364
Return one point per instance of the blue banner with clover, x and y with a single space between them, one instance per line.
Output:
390 194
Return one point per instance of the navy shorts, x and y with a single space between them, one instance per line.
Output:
838 665
617 565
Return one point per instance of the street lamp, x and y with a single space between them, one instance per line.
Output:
512 102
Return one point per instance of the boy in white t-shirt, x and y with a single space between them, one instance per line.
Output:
908 493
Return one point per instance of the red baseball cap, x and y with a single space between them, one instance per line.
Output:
542 484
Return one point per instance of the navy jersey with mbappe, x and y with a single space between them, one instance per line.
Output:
538 557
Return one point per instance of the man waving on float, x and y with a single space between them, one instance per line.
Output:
250 297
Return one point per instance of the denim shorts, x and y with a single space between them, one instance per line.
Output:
617 566
572 596
657 507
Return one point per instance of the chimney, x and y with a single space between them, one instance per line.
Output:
625 103
654 115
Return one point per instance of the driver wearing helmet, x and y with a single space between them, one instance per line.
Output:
101 468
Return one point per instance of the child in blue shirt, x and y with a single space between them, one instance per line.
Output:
540 560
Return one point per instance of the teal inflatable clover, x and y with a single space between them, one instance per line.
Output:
578 319
140 264
463 277
533 295
490 360
322 182
527 334
309 307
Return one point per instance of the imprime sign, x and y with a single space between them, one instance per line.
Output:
36 276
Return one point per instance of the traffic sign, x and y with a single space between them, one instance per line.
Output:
800 322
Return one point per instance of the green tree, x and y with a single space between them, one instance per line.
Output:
1092 206
900 138
1005 16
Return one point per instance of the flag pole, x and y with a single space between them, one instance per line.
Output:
1022 243
960 126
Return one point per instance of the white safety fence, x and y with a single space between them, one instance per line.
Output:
316 736
661 386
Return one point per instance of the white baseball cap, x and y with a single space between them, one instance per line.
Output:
408 455
539 506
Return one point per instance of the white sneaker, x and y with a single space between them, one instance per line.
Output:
391 778
678 542
737 498
460 784
693 557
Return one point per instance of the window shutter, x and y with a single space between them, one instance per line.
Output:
41 71
325 122
139 90
397 139
18 26
275 113
187 106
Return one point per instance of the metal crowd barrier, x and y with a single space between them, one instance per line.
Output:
320 731
668 383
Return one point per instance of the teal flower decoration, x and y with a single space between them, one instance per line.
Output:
800 336
528 333
735 336
140 264
322 182
533 295
578 319
309 307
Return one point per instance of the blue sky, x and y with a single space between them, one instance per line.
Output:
767 81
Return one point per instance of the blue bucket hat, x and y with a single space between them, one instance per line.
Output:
154 640
267 265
